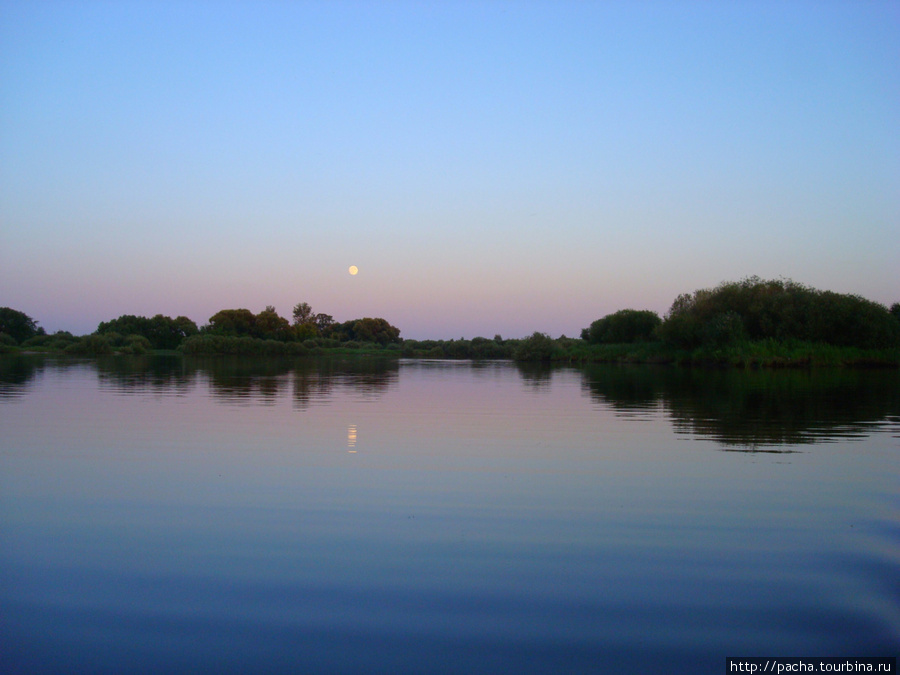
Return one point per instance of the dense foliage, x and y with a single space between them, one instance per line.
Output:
748 323
753 309
91 345
161 332
366 330
17 325
626 325
538 347
476 348
241 345
267 325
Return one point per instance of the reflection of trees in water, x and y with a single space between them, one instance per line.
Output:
249 380
124 374
264 380
16 372
754 409
318 380
535 375
231 379
163 375
367 377
629 390
241 379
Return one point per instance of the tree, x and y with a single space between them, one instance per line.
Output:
302 313
323 323
18 325
375 330
163 332
538 347
168 333
367 330
234 322
756 309
270 326
305 325
626 325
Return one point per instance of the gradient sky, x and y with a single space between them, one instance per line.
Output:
490 167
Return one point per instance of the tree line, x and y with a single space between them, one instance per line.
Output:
227 331
739 321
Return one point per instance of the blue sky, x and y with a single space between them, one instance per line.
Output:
490 167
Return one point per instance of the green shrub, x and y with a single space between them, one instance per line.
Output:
18 325
162 332
90 345
60 340
538 347
367 330
7 344
207 344
135 344
782 310
626 325
723 330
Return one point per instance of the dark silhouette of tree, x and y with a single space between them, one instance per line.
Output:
538 347
302 314
367 330
162 332
18 325
237 322
323 323
626 325
781 310
270 326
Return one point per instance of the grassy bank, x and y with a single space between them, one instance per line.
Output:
768 353
750 354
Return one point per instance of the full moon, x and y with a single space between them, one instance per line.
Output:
353 269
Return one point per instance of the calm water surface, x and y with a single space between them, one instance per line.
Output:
175 515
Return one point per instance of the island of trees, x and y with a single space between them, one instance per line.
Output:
752 322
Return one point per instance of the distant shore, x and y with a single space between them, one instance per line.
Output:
749 323
759 354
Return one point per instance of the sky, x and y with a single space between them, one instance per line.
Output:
490 167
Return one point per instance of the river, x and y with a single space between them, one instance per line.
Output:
167 514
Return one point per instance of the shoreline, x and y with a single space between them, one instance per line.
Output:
562 351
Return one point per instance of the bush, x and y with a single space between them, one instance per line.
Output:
90 345
162 332
56 342
780 310
538 347
7 343
626 325
723 330
367 330
18 325
135 344
207 344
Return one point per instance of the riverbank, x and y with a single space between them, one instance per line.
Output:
537 348
756 354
